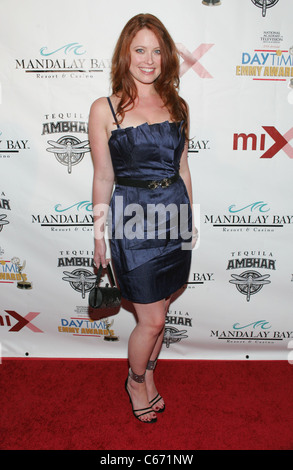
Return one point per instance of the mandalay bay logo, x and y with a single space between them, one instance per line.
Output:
255 217
67 61
67 218
257 332
173 221
10 147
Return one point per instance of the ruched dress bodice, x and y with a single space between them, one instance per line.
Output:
148 151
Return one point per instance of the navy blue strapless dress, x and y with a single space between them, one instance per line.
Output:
146 240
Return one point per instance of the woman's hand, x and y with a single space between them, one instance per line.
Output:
194 237
100 253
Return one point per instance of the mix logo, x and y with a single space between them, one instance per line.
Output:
4 205
26 321
258 142
191 59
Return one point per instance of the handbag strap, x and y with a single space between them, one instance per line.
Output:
110 274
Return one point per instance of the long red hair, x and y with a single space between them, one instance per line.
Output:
166 85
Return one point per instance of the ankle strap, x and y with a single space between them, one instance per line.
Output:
151 364
137 378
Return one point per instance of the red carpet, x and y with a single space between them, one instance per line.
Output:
210 405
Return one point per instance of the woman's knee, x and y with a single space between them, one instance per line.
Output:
159 323
152 316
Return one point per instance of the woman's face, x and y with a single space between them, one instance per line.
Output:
145 57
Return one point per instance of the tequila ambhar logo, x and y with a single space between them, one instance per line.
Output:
69 150
3 221
173 335
4 206
251 281
63 123
264 5
80 279
174 319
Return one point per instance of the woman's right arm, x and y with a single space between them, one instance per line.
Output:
103 178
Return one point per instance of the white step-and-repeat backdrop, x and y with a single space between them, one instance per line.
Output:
237 76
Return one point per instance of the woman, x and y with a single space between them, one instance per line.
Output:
139 136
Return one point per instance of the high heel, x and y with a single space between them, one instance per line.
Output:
151 365
139 379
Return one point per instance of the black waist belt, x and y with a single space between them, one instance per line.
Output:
149 184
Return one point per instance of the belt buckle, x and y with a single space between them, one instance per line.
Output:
153 185
165 183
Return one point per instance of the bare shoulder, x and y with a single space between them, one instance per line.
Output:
99 107
100 120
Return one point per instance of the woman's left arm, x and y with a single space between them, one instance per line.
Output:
185 175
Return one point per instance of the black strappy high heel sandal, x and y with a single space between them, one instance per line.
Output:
142 411
151 365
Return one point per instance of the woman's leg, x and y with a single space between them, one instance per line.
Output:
152 391
143 342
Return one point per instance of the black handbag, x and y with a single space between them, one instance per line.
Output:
104 297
